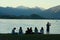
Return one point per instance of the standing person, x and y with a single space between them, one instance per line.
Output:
36 30
42 30
20 30
48 27
13 31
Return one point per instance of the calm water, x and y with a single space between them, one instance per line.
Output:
6 25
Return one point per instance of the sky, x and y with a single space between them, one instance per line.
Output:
30 3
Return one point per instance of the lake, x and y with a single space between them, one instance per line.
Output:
6 25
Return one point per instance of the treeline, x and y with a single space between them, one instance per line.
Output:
32 16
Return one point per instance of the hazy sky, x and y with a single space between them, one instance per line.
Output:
30 3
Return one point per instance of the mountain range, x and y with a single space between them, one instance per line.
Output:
22 12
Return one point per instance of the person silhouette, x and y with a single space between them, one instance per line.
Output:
48 27
36 30
27 31
20 30
30 30
13 31
42 30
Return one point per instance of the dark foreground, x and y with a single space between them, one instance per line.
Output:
30 37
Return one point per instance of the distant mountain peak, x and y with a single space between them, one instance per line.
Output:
55 9
22 7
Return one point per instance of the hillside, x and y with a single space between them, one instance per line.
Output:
29 13
52 13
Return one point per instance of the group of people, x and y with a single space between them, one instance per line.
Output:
20 31
30 31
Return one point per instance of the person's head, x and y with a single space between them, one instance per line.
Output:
35 27
47 22
27 28
20 27
14 28
30 27
41 28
